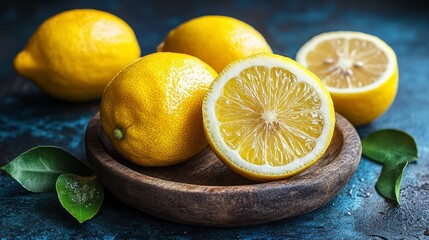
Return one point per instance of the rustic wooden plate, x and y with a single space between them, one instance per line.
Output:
203 191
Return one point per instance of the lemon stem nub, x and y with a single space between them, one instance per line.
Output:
118 133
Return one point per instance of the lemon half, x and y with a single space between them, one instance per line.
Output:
360 71
266 117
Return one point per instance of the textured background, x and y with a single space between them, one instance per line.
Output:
29 118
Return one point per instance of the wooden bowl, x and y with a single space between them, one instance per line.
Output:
203 191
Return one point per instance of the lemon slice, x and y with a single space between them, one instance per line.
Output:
267 118
360 71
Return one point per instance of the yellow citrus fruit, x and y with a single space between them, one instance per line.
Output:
217 40
360 71
267 117
74 54
151 111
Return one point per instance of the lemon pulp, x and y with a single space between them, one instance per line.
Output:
267 125
347 63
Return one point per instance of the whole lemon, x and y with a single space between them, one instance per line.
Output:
151 111
74 54
217 40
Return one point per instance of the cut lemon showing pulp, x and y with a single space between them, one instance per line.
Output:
360 71
267 117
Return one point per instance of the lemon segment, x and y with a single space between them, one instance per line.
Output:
267 117
359 70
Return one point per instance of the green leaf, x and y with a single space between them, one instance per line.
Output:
80 196
390 146
394 149
389 182
38 168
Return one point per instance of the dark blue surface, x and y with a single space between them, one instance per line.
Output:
29 118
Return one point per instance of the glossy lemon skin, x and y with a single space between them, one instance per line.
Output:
156 103
217 40
74 54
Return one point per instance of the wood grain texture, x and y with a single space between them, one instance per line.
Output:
203 191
